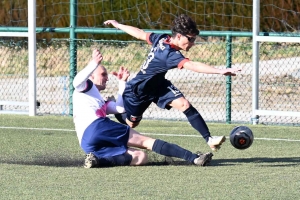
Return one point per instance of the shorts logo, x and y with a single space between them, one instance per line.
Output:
135 118
174 90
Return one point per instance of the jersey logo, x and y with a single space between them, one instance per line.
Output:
174 90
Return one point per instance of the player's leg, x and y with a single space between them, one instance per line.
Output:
135 107
167 149
105 144
139 157
170 96
132 157
192 115
197 122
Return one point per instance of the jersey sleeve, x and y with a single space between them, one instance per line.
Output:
152 37
180 65
80 82
175 58
148 38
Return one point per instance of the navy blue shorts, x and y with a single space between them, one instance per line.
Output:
136 104
105 138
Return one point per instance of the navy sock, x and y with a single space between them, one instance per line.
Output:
173 150
197 122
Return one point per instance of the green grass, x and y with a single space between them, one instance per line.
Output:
38 162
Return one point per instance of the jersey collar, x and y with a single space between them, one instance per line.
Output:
167 41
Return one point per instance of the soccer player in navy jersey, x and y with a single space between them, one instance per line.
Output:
106 142
150 84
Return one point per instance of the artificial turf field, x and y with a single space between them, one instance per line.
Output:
40 158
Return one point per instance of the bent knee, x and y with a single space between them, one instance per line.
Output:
185 104
139 158
181 104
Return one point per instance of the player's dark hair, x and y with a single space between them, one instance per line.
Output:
183 24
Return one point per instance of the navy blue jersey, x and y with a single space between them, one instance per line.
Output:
161 58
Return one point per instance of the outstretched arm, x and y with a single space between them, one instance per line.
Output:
80 79
207 69
133 31
118 107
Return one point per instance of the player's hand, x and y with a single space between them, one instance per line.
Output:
97 56
230 71
122 74
112 22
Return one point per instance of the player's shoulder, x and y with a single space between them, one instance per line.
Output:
156 37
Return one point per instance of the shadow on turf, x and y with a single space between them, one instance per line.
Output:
47 162
264 161
55 162
63 162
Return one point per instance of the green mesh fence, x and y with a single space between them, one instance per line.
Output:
279 83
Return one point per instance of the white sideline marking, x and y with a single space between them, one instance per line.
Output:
44 129
161 134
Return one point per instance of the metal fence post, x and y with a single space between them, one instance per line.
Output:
228 79
73 51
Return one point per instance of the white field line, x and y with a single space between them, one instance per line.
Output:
160 134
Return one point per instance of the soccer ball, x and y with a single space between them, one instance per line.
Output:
241 137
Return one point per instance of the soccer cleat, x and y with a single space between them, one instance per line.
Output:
215 142
203 159
91 161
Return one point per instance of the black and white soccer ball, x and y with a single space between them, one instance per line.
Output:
241 137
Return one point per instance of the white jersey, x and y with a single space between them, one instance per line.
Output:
88 104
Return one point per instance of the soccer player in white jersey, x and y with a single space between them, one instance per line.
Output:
109 143
151 86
